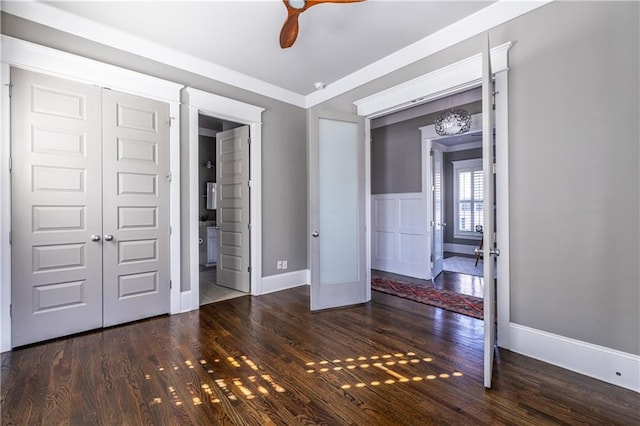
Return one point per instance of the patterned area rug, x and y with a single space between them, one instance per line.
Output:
454 302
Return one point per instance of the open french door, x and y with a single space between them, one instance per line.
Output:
437 218
337 211
489 215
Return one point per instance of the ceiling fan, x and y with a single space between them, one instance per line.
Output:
289 31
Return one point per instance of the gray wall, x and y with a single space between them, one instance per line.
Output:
574 166
395 159
449 157
284 176
396 166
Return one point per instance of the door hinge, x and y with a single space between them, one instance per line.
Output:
169 176
249 269
249 184
248 141
10 85
249 226
431 257
431 152
171 120
11 310
170 284
10 237
10 163
170 230
494 168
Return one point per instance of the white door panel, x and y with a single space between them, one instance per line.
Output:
338 263
136 205
56 207
438 225
489 215
232 216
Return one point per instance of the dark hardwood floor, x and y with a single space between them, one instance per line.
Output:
268 360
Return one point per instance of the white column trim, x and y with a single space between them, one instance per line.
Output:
200 102
34 57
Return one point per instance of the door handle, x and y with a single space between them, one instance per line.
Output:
315 234
492 252
95 238
108 237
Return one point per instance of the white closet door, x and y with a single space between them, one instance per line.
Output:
56 207
136 207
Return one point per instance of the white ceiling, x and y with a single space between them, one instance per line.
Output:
237 42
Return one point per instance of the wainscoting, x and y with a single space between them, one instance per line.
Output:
400 239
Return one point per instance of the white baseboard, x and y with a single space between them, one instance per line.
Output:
284 281
609 365
186 302
460 248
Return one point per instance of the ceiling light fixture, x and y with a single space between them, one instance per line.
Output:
454 122
319 85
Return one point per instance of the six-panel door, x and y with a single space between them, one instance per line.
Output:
72 185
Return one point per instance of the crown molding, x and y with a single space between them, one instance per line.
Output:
474 24
483 20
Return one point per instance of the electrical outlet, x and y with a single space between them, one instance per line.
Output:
279 264
284 264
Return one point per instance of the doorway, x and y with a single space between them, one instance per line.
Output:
461 75
412 190
196 104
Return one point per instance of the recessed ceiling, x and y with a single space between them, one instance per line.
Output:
334 40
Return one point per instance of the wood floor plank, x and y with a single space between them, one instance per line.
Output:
268 360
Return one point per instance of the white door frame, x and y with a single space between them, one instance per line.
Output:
198 102
454 78
34 57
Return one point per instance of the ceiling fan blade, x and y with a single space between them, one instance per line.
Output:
289 31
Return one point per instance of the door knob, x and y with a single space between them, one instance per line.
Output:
108 237
315 234
95 238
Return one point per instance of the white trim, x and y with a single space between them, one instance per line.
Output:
82 27
200 102
460 248
185 301
285 281
495 14
45 60
501 122
462 146
585 358
465 76
459 76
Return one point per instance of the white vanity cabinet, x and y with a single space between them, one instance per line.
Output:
212 245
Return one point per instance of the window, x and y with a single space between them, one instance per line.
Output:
468 191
